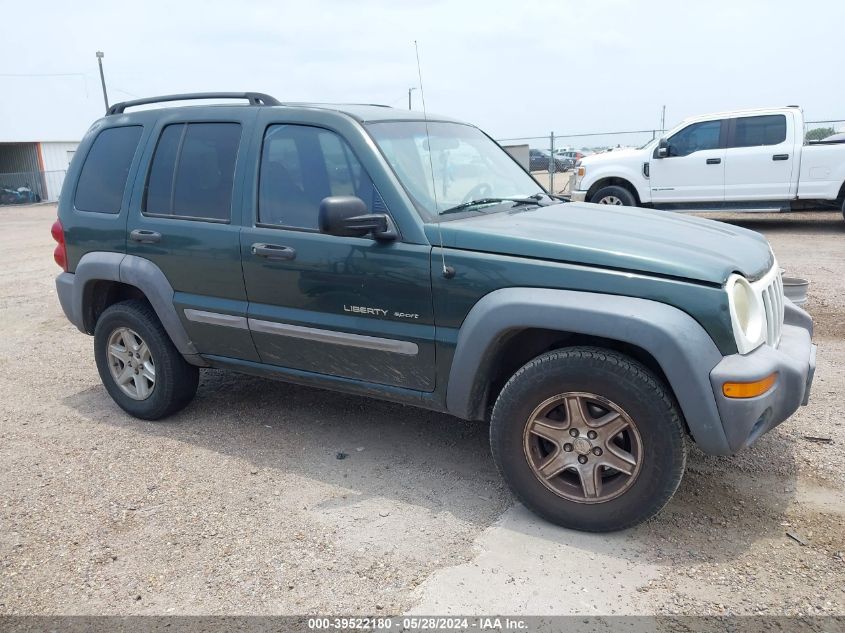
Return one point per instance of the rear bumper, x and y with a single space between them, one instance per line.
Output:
71 307
794 360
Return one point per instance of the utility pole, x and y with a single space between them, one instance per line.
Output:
410 90
103 79
663 120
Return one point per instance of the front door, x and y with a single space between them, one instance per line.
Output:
181 220
694 170
350 307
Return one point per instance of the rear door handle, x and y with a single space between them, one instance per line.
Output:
714 161
144 236
273 252
780 157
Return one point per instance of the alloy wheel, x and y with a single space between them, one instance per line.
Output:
583 447
611 200
131 364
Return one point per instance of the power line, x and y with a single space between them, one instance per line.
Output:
42 74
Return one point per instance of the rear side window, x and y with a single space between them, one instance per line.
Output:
193 170
103 177
695 138
753 131
301 165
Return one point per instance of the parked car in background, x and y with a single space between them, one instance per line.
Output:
745 160
539 160
573 155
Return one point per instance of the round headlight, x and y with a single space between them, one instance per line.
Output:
747 313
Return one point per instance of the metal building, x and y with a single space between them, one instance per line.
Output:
34 171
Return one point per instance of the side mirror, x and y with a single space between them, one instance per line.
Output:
662 149
347 216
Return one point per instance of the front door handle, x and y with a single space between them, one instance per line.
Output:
714 161
273 252
780 157
145 237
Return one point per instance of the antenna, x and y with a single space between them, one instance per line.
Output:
448 271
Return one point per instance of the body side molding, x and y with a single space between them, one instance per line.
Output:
682 348
405 348
216 318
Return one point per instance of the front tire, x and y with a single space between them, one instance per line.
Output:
588 439
614 195
140 367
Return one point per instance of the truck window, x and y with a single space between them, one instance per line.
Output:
753 131
695 138
301 165
193 170
103 177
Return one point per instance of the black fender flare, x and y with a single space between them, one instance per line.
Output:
131 270
682 348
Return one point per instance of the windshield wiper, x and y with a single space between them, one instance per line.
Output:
474 203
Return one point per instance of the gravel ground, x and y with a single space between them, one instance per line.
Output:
240 505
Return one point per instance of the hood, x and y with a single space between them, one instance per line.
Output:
623 238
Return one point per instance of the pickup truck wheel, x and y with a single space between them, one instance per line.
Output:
588 439
614 195
139 366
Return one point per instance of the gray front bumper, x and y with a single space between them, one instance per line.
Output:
578 196
794 360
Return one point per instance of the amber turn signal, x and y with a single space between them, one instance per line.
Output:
749 389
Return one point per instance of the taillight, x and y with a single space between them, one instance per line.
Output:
60 252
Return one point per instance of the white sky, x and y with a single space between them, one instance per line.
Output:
518 68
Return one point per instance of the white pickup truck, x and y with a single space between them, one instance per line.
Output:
746 160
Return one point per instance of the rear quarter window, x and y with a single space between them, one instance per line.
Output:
102 180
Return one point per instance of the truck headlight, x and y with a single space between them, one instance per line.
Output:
748 314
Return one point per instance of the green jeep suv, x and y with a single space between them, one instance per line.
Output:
380 252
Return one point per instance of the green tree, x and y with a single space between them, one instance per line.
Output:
818 133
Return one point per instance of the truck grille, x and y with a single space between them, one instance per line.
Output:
771 289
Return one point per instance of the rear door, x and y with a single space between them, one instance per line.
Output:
349 307
182 220
760 158
694 171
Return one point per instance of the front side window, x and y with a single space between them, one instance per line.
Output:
193 170
695 138
301 165
102 180
753 131
443 165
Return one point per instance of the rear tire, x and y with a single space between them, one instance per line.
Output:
614 195
588 439
140 367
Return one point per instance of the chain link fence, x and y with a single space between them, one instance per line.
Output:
29 187
819 130
551 159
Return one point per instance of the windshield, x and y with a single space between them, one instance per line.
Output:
467 165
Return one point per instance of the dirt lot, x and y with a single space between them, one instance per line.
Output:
239 504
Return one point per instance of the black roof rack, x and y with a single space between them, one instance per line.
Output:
254 98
